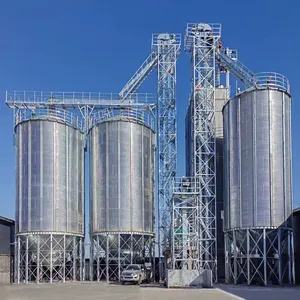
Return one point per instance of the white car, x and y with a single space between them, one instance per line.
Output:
133 273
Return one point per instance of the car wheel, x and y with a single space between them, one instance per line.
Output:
122 282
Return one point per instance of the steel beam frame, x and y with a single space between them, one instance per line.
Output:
185 224
81 110
48 257
167 48
74 100
259 256
201 40
111 252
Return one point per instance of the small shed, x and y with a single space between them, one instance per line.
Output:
296 228
7 231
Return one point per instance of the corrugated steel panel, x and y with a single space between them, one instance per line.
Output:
50 177
121 177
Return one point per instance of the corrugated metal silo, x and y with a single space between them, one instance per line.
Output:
258 186
50 196
121 153
257 155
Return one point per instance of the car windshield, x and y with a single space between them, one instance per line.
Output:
132 267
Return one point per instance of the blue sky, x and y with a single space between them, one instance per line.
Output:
66 45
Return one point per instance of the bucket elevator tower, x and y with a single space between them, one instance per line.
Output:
164 55
167 48
201 42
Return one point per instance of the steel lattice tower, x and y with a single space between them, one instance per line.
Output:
167 48
201 41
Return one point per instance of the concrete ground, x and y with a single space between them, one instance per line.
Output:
103 291
263 293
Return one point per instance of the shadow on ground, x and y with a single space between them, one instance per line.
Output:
262 293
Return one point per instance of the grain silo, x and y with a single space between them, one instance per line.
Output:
258 185
49 196
121 153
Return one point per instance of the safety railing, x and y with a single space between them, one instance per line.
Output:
58 114
186 185
212 30
273 80
166 38
141 116
34 98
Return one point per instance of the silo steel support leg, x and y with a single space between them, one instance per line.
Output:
74 259
64 261
51 259
235 258
119 257
91 259
26 267
107 258
248 257
81 260
98 259
293 259
143 248
131 248
265 256
152 260
226 257
38 260
289 258
279 256
18 259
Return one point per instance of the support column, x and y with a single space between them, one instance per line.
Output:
226 257
51 259
74 258
38 260
79 265
234 259
293 258
119 257
18 259
131 248
248 257
91 266
98 259
64 260
27 260
289 258
107 258
279 256
265 256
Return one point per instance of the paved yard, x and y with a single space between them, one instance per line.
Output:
103 291
263 293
